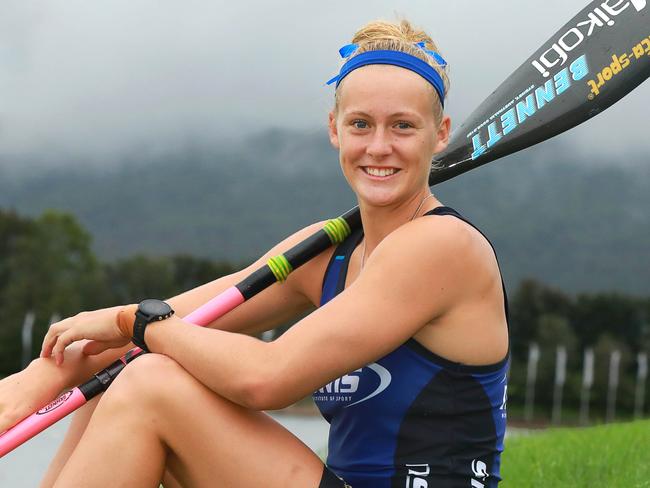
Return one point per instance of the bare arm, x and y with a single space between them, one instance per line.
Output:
397 294
275 306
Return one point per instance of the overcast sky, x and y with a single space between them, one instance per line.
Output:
98 79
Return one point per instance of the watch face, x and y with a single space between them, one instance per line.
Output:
154 307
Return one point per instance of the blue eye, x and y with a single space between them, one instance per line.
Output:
404 125
359 124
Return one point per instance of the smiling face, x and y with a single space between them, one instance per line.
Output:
387 134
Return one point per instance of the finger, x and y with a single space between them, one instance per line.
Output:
63 341
48 342
48 345
51 336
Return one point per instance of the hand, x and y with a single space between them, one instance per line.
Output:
99 326
23 393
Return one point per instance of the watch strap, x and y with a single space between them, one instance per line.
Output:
144 318
139 326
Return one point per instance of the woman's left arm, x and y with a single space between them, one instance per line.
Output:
414 276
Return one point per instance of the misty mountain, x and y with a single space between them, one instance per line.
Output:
577 224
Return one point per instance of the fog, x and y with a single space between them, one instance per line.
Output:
94 81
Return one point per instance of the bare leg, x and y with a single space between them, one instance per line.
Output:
72 437
157 415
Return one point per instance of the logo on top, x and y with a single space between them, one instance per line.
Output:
349 383
603 15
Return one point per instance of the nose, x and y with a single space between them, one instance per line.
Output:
380 145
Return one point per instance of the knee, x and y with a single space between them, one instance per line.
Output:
146 379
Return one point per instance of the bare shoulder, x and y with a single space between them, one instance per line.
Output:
455 236
440 238
448 269
441 251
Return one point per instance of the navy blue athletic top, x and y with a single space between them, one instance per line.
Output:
413 419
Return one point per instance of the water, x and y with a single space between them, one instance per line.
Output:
24 467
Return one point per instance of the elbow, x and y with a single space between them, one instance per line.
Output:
262 398
267 389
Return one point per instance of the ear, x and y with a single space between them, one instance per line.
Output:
333 131
444 131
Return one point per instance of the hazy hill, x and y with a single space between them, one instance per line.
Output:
568 222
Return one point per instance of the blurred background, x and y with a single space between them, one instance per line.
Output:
149 146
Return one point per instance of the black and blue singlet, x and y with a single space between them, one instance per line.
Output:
413 419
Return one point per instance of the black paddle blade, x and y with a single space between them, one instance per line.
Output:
596 59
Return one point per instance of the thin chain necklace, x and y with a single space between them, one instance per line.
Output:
363 254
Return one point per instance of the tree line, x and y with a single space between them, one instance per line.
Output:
47 266
568 220
603 322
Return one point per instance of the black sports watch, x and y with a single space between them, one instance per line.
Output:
148 311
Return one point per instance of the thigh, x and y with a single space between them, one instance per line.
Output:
212 441
73 435
75 431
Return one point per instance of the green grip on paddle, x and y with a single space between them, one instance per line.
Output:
280 267
337 230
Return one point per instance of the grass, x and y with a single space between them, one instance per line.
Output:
608 456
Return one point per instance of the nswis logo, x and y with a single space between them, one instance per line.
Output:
604 14
344 388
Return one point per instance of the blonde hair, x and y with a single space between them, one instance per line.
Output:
402 36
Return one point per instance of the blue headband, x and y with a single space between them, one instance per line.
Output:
395 58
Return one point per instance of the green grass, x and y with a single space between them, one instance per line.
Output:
608 456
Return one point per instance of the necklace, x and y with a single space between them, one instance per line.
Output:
363 254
